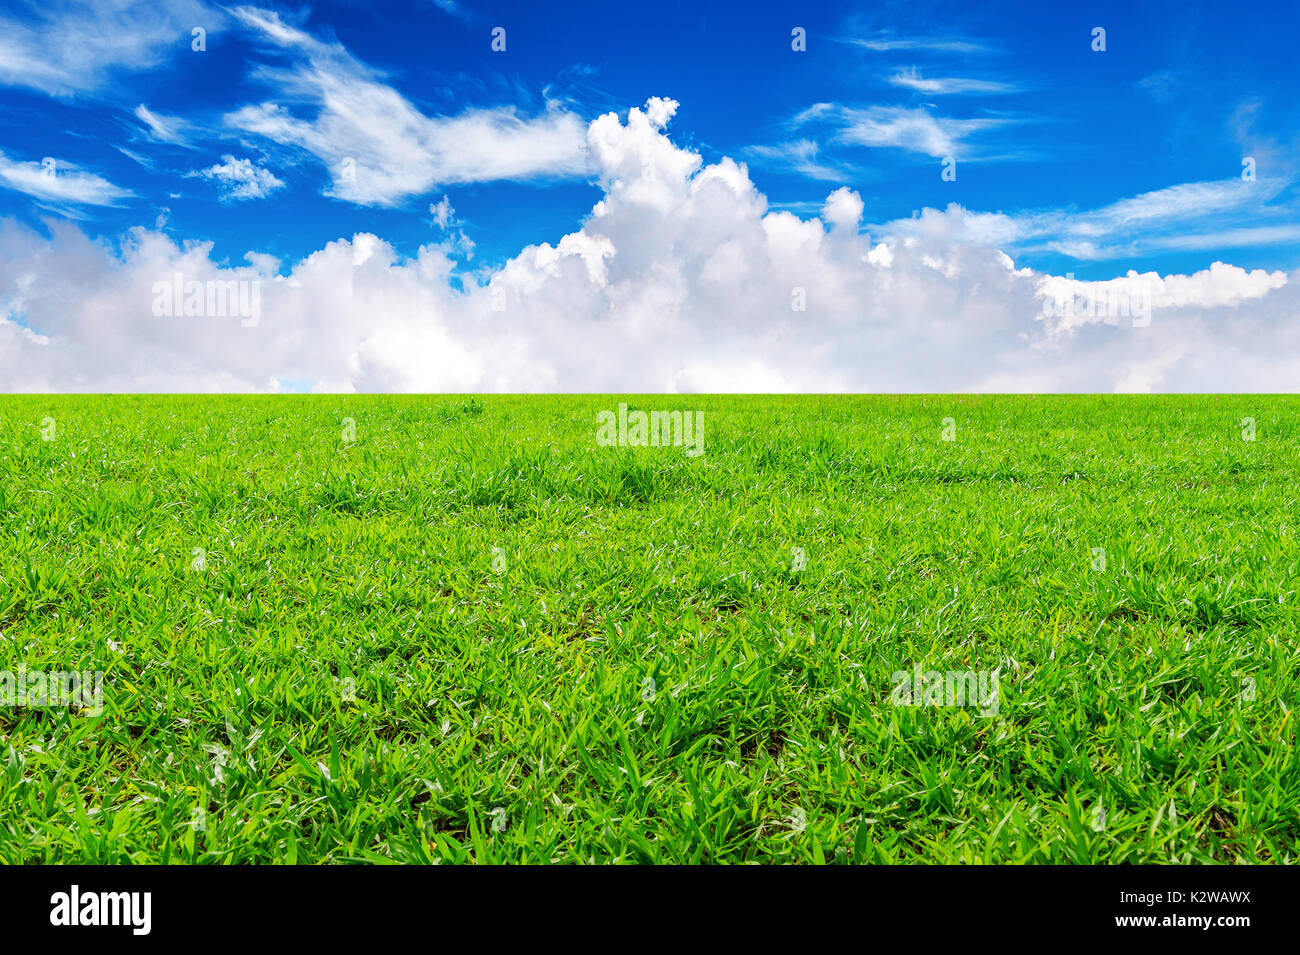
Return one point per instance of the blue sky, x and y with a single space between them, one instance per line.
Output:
1037 120
677 196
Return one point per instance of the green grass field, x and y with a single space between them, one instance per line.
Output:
473 635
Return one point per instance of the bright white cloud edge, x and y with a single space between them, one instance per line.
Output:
681 280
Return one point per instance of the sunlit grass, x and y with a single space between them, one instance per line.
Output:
471 634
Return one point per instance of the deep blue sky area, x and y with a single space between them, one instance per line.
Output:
1044 129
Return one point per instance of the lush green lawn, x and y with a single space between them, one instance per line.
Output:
638 671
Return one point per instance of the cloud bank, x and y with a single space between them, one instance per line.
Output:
681 279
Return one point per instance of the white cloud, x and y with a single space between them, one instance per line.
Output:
144 161
911 78
682 278
1160 86
64 48
1180 202
445 218
843 208
801 157
452 8
59 183
884 43
1219 286
1193 216
164 129
241 179
267 265
912 128
379 148
1243 238
443 214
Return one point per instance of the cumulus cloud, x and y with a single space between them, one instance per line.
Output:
241 179
680 279
1136 294
377 146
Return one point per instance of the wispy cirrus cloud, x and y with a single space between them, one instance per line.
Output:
1181 202
1229 213
454 8
63 48
887 43
911 78
1160 85
164 129
912 128
379 148
801 156
59 184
